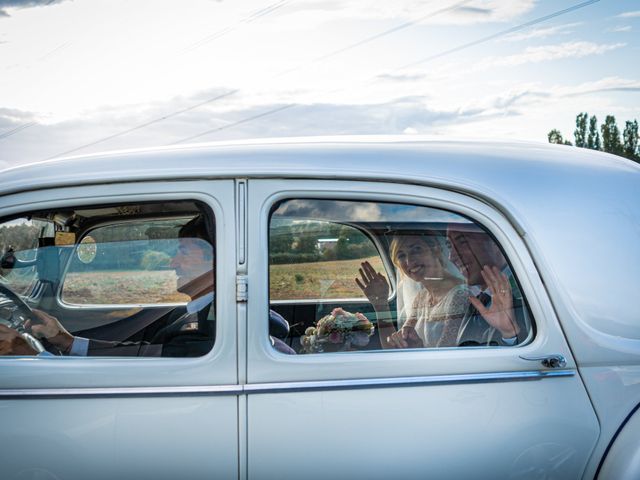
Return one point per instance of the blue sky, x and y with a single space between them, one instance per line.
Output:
82 76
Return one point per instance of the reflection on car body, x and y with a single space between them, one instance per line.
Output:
463 309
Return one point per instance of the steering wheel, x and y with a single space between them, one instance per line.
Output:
21 313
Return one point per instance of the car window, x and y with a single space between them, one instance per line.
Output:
127 263
18 245
454 286
314 260
124 280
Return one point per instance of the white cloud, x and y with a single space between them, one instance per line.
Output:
608 84
552 52
632 14
543 32
403 115
313 12
621 28
407 115
16 4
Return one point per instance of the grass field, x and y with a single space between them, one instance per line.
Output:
122 287
334 279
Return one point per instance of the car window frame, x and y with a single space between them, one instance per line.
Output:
494 219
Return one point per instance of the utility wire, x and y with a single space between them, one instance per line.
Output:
239 122
516 28
151 122
250 18
488 38
255 15
371 38
15 130
391 30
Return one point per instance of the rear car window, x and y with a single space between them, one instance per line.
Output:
390 276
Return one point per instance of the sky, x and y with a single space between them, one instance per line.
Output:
83 76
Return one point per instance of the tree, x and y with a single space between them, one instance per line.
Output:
593 140
580 133
611 136
555 136
630 135
307 243
342 248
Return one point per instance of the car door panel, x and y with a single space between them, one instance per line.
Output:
441 413
78 417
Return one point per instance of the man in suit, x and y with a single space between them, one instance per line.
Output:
497 315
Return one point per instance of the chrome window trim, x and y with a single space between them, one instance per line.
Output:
275 387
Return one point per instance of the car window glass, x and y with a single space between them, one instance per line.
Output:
18 247
313 260
112 280
128 263
454 286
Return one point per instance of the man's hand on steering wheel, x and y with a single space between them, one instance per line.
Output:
48 327
39 323
13 343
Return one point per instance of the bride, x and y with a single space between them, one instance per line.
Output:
439 306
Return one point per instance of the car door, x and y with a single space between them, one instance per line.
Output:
117 414
339 409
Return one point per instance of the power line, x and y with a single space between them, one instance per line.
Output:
250 18
423 60
276 5
151 122
15 130
231 125
371 38
488 38
391 30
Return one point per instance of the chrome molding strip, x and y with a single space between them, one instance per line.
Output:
404 381
255 388
122 391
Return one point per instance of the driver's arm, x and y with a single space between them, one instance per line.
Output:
49 328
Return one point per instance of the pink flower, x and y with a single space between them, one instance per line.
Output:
335 337
361 318
337 312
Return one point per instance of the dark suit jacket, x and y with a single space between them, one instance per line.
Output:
176 334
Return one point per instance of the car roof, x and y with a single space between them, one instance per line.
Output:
438 161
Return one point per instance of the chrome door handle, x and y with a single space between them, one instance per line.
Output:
549 361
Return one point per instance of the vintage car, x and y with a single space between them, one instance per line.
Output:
256 310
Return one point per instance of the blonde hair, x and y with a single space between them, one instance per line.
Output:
429 237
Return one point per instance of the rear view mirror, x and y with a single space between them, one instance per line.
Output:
87 249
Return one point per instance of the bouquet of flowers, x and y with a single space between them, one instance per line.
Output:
337 332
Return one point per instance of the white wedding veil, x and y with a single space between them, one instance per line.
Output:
407 289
